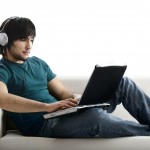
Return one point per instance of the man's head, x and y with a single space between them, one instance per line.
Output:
17 29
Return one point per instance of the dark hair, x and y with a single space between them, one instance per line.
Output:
17 28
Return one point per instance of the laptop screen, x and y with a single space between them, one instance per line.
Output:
102 84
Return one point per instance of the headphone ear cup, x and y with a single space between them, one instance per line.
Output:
3 39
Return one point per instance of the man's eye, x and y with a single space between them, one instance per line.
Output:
23 39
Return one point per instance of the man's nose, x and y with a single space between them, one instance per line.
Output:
29 44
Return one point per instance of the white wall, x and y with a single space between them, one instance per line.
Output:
74 35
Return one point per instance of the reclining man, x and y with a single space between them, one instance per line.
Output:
29 89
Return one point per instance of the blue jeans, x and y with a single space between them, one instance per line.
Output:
97 122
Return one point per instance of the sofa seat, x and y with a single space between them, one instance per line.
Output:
14 141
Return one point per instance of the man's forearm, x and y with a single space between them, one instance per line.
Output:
15 103
19 104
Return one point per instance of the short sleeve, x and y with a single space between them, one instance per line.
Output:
4 74
49 73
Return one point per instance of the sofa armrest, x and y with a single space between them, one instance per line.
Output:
2 123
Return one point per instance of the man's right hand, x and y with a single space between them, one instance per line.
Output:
62 104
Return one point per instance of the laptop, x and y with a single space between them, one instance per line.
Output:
98 91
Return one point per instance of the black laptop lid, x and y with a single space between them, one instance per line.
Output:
102 84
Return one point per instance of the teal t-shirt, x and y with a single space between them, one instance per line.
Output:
29 80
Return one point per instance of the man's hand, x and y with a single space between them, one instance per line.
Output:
77 96
62 104
67 103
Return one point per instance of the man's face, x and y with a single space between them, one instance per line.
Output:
20 49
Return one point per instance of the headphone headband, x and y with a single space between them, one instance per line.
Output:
7 23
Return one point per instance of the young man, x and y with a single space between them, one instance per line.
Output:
29 89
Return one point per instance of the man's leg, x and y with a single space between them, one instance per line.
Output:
94 122
134 100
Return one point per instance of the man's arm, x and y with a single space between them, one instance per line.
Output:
59 90
15 103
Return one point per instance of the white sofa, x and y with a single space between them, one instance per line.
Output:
11 139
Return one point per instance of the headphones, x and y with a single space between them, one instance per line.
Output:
3 35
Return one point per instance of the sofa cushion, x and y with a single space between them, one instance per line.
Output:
12 142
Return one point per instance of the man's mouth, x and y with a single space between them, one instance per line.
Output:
26 52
